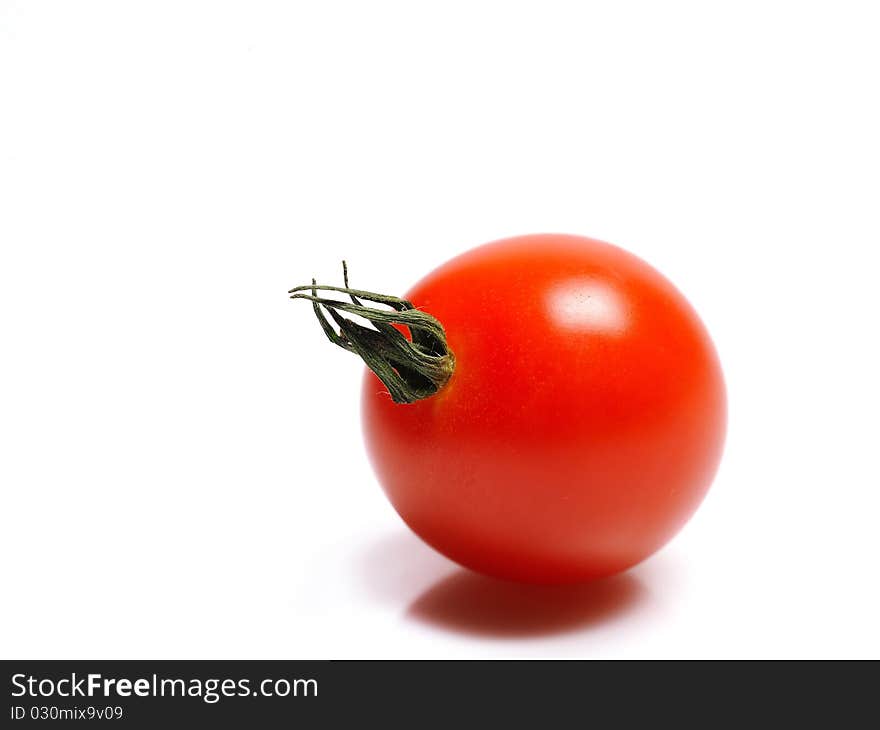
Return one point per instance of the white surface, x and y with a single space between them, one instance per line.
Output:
182 470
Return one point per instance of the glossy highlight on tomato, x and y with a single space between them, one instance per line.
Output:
583 422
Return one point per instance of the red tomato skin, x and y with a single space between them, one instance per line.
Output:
582 426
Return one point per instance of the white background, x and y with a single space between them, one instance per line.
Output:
182 468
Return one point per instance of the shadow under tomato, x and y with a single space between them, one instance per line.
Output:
402 570
399 566
470 603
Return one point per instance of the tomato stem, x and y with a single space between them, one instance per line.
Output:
411 368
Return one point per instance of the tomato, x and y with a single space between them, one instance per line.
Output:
581 426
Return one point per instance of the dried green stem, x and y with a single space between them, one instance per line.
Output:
411 368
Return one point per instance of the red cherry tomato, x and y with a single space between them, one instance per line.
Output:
583 422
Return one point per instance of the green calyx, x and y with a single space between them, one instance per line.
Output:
411 369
